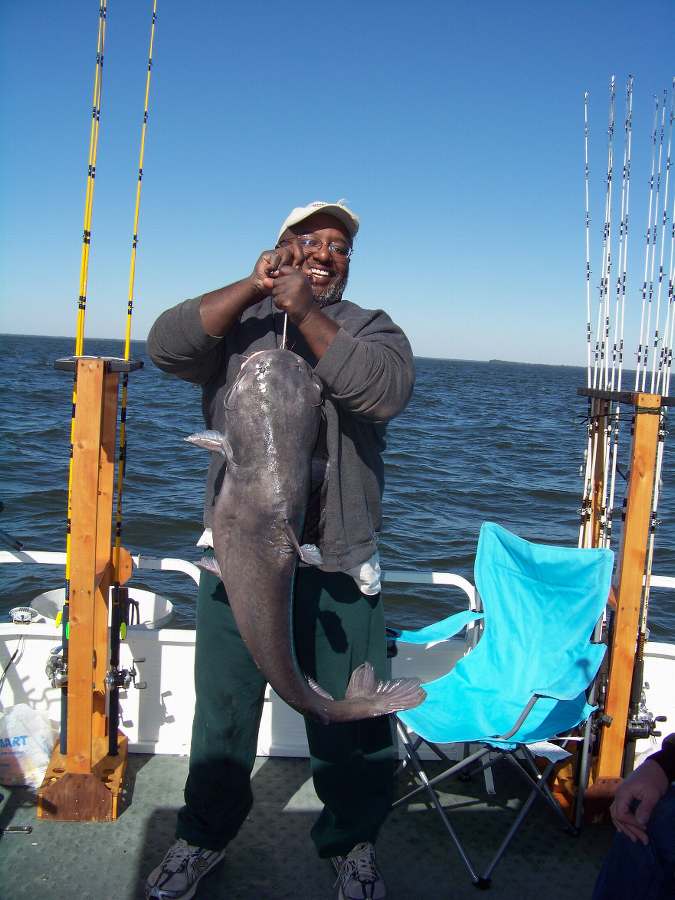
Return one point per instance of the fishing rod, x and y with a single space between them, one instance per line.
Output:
117 678
657 360
597 454
620 303
622 268
593 420
586 496
642 344
655 228
606 268
587 233
670 333
79 334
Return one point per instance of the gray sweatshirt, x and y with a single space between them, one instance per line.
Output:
368 376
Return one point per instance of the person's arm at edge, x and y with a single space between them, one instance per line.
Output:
637 796
665 757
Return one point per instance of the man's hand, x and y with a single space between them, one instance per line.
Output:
636 798
220 310
270 261
292 294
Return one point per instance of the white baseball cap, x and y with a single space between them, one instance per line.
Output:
338 209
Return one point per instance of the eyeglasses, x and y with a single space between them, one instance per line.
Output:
311 245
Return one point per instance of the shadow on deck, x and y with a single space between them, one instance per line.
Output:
273 857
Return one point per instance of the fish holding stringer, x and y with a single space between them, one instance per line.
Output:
272 419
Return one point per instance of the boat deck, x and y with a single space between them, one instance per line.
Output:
273 857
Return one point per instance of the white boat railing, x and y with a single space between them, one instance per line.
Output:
49 558
173 564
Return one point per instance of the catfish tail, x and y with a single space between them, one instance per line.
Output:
366 696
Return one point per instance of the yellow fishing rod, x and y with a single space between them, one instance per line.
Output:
119 609
91 176
81 308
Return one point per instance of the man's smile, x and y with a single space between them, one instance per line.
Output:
319 275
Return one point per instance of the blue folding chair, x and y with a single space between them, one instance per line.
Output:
526 680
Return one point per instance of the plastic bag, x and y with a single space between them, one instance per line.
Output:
27 738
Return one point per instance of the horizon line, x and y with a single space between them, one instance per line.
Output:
492 361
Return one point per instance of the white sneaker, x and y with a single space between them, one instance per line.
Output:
358 877
179 873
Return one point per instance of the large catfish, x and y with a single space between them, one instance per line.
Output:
272 418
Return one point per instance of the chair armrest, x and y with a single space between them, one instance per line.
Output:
567 687
527 709
437 631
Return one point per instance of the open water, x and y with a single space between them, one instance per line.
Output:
479 441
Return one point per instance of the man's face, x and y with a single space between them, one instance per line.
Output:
325 269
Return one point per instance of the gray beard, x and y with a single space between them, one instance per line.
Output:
332 293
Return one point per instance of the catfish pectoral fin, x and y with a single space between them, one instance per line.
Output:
213 441
384 696
209 564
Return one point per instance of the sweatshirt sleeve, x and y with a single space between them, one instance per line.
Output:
178 344
369 369
665 757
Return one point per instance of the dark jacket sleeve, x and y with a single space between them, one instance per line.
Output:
178 344
369 369
666 757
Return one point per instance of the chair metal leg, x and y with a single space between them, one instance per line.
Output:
510 834
421 774
538 781
546 792
411 748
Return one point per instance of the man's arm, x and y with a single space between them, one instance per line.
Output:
220 310
185 340
369 368
637 796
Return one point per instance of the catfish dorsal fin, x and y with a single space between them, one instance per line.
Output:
385 696
214 441
318 689
362 682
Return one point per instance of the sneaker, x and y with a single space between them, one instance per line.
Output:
179 873
358 877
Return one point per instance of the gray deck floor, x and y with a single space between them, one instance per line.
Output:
273 858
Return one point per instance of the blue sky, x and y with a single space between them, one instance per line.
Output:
454 129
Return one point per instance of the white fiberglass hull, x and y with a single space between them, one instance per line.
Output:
158 719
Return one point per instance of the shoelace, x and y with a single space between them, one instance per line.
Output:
179 856
360 862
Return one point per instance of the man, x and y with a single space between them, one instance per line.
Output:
641 861
365 364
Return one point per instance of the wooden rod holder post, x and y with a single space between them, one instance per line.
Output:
628 590
84 784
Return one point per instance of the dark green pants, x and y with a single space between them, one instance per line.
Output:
336 629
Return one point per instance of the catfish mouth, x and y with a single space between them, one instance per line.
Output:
256 366
285 357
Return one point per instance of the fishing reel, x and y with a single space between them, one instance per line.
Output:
122 679
642 724
56 668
